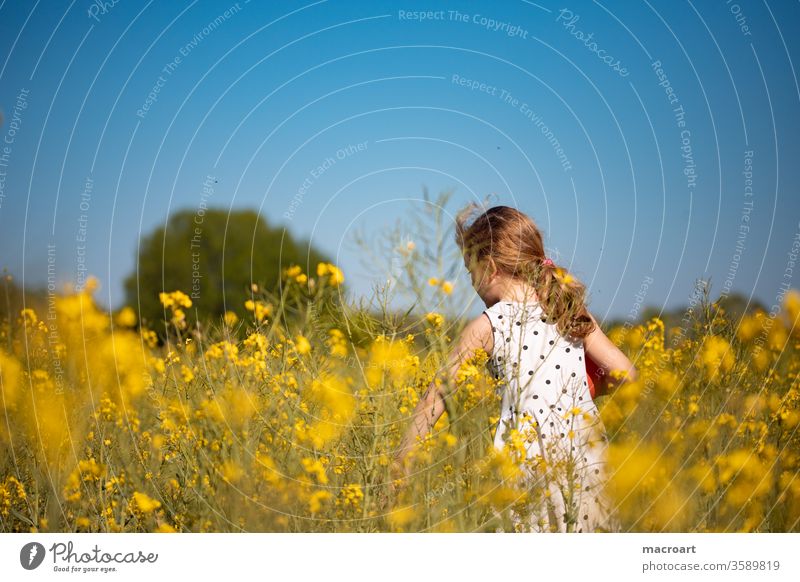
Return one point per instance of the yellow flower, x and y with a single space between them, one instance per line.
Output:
149 337
575 411
301 278
435 319
175 299
259 309
791 306
187 374
337 343
12 493
563 276
179 318
231 471
447 287
401 516
335 405
717 356
433 282
257 342
751 325
231 318
336 276
91 284
351 495
10 375
29 316
302 345
392 360
126 317
293 271
316 499
314 467
144 503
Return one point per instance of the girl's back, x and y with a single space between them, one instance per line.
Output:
545 396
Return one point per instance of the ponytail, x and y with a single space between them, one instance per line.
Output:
562 298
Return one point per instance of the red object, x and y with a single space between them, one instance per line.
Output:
595 376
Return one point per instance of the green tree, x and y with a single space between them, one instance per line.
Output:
214 257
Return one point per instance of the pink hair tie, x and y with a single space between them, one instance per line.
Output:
547 262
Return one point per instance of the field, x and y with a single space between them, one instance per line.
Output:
286 420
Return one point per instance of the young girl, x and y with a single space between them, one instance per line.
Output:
539 335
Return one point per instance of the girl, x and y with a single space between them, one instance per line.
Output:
539 334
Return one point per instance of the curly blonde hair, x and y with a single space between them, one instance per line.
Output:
514 242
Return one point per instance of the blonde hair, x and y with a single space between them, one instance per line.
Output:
514 243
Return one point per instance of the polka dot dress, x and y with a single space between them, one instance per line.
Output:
546 398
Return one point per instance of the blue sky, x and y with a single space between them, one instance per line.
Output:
478 96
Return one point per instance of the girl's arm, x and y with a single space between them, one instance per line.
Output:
608 357
477 334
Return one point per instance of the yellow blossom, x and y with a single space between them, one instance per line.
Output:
175 299
144 503
259 309
126 317
315 500
717 356
337 343
791 307
351 495
435 319
29 317
563 276
187 374
301 345
401 516
314 467
335 275
231 318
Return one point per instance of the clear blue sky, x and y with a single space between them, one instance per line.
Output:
260 97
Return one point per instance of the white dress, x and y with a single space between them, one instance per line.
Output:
546 383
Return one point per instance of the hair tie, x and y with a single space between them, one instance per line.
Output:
547 262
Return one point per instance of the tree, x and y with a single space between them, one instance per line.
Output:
214 257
